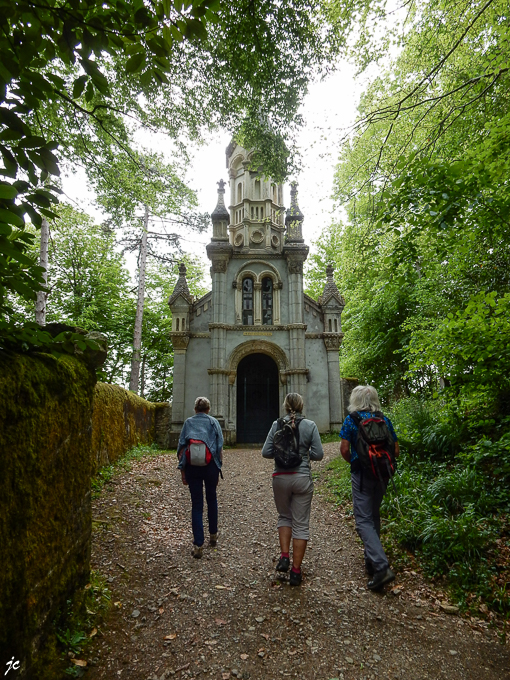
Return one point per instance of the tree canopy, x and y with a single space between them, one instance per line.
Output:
78 77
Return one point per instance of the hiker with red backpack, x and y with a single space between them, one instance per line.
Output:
369 444
200 459
293 441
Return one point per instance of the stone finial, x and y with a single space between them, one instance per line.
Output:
294 217
330 289
181 287
220 212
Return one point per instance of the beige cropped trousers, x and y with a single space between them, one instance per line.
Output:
293 499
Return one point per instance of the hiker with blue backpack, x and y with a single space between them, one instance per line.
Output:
293 441
369 444
200 453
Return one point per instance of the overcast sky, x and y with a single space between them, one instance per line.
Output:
329 108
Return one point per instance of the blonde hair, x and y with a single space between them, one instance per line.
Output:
202 404
364 398
293 403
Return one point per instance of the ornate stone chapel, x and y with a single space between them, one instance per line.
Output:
256 335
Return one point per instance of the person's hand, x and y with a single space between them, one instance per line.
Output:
183 477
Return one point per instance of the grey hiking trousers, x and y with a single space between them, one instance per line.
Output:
293 499
366 499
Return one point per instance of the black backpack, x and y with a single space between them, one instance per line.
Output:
375 446
286 444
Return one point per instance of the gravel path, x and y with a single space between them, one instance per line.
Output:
227 615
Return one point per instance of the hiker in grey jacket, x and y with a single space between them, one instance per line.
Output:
293 488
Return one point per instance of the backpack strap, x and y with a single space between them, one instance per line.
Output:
356 418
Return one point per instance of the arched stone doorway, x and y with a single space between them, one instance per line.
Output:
257 397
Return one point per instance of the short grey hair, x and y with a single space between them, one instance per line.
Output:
202 404
293 403
364 398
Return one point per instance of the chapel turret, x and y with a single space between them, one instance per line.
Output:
256 206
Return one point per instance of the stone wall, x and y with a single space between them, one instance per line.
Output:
121 420
163 424
57 427
45 512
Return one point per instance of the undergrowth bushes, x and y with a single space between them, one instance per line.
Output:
452 507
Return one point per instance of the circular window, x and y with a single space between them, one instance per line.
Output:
239 240
275 241
257 236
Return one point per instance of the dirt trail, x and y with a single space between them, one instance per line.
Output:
227 615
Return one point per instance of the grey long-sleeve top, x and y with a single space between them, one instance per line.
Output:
310 445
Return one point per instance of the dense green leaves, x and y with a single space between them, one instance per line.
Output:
77 80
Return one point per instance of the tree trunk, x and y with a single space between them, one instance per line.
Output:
142 379
137 338
42 295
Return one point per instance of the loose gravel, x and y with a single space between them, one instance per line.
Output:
229 616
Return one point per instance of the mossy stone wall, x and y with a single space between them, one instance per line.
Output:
45 512
122 420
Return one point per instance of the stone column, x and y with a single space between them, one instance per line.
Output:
180 342
296 254
257 303
219 253
333 342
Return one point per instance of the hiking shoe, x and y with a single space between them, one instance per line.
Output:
295 578
283 564
197 551
213 540
369 567
381 578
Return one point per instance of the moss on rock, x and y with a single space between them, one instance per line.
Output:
45 514
121 420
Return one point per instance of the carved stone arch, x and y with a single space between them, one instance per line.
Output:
245 274
271 271
257 347
271 274
236 161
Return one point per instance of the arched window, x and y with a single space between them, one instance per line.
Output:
267 301
239 192
177 324
330 329
273 186
248 302
336 325
257 189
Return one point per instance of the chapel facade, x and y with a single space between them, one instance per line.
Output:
256 335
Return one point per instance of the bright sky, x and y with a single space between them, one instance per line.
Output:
329 108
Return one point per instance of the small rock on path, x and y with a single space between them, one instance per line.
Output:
229 616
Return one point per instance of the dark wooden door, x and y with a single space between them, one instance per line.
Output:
257 398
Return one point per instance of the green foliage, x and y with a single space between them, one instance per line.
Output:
107 472
451 505
84 613
339 482
77 80
90 288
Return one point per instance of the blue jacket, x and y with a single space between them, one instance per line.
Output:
349 431
206 429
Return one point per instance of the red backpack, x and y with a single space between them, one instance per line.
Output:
198 453
375 446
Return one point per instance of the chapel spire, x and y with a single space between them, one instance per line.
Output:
181 287
331 289
294 218
220 216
